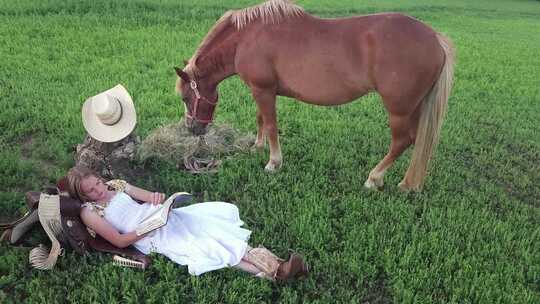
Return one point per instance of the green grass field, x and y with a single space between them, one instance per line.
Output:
472 236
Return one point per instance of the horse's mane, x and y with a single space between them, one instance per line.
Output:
272 11
269 12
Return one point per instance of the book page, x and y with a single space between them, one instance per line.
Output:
160 216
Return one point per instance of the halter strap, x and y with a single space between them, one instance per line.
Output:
198 97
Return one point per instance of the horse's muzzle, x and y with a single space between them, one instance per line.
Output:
195 127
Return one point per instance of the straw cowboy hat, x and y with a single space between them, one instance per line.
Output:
109 116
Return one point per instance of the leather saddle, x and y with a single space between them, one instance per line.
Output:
75 233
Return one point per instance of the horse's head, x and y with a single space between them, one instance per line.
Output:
199 99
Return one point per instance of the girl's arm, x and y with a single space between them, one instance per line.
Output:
144 195
107 231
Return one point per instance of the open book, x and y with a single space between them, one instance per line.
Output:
160 216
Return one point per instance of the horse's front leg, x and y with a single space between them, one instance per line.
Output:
261 138
266 107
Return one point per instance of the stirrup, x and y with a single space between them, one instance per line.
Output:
16 229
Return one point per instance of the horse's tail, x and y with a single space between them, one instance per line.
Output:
432 115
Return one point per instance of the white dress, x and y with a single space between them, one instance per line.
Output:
203 236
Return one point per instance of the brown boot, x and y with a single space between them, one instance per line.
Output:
304 272
291 268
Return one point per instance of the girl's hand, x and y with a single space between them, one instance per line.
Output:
156 198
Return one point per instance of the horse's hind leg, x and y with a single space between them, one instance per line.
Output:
402 137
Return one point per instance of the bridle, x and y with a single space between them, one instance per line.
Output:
199 97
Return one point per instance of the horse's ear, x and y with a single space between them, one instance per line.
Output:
182 74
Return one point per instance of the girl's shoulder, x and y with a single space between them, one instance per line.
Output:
88 213
93 208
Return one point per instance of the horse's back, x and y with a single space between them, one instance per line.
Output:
308 34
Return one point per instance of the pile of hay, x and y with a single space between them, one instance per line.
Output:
175 144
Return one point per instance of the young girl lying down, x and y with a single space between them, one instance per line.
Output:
203 236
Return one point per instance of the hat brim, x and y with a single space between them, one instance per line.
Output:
118 131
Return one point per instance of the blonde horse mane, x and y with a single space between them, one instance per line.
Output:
269 12
273 11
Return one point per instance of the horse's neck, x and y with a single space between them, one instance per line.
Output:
217 66
216 60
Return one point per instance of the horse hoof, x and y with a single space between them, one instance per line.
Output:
406 188
272 167
373 184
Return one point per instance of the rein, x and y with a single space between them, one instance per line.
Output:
199 97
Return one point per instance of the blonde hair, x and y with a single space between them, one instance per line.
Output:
74 178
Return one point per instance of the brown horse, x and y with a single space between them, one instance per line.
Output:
278 49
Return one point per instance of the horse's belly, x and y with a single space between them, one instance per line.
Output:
322 78
320 90
324 98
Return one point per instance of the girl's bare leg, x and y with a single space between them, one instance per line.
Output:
247 267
